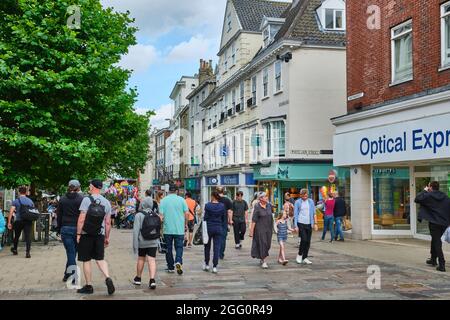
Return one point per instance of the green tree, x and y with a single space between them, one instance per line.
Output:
65 110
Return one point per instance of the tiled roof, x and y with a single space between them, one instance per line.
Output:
251 12
302 23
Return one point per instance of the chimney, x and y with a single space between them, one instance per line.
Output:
206 71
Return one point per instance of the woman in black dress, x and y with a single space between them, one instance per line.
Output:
261 229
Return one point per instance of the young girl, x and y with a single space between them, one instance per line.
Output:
282 233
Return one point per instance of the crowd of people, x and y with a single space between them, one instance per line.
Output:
85 223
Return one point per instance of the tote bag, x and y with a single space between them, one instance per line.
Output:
205 232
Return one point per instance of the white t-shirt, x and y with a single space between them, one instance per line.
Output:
304 217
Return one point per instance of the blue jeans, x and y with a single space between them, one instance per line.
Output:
328 225
215 235
339 223
69 238
224 242
178 241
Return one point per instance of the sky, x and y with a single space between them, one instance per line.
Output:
173 36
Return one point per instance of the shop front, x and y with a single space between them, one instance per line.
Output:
390 164
318 178
193 185
6 199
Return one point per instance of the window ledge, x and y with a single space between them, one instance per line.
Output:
265 98
444 68
278 92
396 83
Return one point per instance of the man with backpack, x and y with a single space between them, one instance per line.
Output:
93 231
20 206
240 219
146 234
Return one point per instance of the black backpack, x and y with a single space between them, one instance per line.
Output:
151 226
94 218
28 213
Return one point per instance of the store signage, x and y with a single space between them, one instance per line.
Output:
356 96
155 182
250 179
269 171
230 180
212 181
306 152
423 139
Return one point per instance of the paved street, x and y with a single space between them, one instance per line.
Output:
339 272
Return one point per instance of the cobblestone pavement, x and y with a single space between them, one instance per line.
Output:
339 272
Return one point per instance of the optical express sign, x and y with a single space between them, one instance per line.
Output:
422 139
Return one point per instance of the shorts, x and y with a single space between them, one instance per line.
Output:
191 224
143 252
284 239
91 248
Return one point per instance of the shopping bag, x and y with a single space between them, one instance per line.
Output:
347 225
162 246
205 232
198 236
446 236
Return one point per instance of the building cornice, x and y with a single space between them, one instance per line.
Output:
393 108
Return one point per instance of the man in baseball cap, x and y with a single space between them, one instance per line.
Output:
97 184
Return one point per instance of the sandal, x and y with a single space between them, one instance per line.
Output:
285 262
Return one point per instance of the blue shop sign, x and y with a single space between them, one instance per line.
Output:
212 181
250 179
230 180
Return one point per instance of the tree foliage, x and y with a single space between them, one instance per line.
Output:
65 110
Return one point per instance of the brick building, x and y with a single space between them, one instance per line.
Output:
396 134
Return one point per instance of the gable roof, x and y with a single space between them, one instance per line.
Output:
251 12
302 23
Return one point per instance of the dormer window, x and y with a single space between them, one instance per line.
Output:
229 21
270 28
332 15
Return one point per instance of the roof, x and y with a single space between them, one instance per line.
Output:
251 12
302 23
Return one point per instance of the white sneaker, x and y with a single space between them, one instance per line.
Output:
237 246
306 261
299 259
214 270
205 268
264 266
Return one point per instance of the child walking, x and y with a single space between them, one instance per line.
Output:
282 234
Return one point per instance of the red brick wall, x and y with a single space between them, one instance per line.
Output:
369 51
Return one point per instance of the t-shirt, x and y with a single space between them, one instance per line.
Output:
173 209
228 206
239 208
304 216
191 206
16 203
329 207
103 201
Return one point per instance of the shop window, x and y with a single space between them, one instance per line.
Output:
391 199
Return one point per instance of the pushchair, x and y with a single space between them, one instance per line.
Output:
126 219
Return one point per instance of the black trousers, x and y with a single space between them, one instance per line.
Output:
436 232
305 232
239 228
24 226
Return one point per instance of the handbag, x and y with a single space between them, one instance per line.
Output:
446 236
28 213
162 246
198 237
205 232
347 224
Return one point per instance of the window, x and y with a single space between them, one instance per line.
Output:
278 76
233 100
241 147
402 65
266 82
229 21
266 36
233 54
255 145
254 85
225 63
275 139
234 150
445 34
334 19
242 96
225 105
203 96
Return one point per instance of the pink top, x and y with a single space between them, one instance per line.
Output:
329 207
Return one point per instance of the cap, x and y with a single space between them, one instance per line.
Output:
173 188
97 183
74 184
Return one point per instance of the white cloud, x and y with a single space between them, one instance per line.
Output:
139 58
157 17
162 113
192 50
